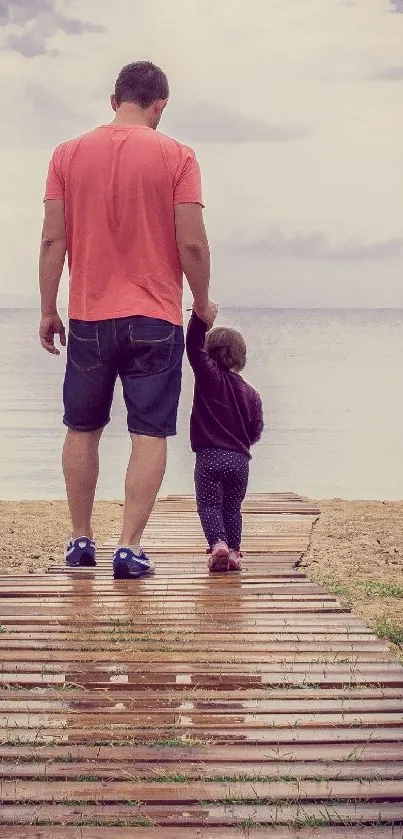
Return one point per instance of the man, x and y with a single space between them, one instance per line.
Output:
124 202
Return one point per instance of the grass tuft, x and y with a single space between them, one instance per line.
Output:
390 630
377 589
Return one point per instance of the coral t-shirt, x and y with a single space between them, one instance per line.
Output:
120 185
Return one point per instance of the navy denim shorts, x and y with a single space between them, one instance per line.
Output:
145 353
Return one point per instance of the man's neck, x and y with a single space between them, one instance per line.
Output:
130 114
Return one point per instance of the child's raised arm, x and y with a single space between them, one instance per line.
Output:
200 362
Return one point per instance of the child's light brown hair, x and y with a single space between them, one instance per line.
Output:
227 348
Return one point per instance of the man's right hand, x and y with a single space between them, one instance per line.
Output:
50 326
207 313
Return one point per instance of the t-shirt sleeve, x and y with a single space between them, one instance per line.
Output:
55 182
187 187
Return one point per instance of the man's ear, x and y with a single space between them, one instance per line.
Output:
113 103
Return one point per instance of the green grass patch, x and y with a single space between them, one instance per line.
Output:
377 589
390 630
69 758
171 778
169 742
88 779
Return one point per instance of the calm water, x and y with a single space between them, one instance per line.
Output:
331 387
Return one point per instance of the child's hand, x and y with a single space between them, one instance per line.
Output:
208 313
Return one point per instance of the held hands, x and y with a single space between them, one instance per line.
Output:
207 313
50 326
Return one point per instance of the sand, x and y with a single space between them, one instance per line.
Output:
356 548
34 533
356 551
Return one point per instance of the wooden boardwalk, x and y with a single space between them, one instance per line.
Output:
197 707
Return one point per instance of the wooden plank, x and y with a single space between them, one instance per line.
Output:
159 735
162 664
208 753
182 772
207 815
120 703
193 793
210 832
190 720
130 653
202 698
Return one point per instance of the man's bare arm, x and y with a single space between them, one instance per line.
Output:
191 239
51 263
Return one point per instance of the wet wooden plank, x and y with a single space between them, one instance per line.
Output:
298 651
159 665
287 621
160 736
168 753
193 793
207 815
225 682
379 660
119 703
189 720
210 832
92 771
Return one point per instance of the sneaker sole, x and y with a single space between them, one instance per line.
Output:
82 563
234 567
219 562
123 572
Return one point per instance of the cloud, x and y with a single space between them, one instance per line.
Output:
389 74
37 21
22 11
398 5
205 123
316 246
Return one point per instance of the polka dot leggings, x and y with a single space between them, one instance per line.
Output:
221 481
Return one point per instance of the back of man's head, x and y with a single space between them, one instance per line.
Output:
142 84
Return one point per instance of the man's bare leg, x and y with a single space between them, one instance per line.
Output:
81 468
144 476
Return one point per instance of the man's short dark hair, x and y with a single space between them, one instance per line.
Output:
141 83
227 348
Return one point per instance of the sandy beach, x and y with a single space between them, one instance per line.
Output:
356 550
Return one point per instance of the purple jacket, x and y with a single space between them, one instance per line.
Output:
227 412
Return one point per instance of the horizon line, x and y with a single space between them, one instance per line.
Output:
361 308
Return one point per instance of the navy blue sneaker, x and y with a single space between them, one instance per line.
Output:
80 553
127 565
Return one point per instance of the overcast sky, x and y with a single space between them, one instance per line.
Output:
294 108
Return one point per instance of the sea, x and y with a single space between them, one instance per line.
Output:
331 385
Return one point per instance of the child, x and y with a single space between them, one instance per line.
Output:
226 421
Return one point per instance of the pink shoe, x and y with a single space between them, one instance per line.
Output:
234 561
219 559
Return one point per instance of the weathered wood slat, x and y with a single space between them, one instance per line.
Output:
232 815
193 793
191 721
158 653
159 735
153 772
23 702
211 832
